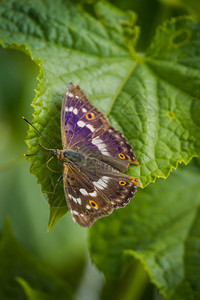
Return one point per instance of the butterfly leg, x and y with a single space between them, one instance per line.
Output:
47 164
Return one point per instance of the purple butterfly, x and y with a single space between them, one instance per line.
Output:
93 155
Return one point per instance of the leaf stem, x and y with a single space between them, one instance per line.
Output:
135 282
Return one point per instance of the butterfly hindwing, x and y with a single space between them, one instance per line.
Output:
117 187
111 147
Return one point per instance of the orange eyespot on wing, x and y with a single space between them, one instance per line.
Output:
122 182
93 204
90 116
121 156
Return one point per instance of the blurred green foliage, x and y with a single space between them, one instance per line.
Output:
56 264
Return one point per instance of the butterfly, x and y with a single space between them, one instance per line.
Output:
93 156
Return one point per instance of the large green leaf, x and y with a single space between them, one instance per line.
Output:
161 229
153 99
17 265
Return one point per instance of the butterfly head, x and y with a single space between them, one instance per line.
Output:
57 154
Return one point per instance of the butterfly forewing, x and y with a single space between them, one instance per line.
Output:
80 120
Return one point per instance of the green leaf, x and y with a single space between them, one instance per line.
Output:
121 26
16 262
153 99
56 213
160 228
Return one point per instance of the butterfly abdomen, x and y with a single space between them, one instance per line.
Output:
94 166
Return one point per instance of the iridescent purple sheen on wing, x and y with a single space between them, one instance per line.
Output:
75 124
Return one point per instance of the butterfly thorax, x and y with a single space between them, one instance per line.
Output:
68 156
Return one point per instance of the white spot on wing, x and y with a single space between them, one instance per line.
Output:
83 192
79 200
73 198
84 110
71 108
101 183
70 95
66 108
74 212
100 145
75 111
81 123
93 194
89 126
88 206
76 97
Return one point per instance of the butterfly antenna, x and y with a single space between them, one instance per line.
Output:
38 132
36 154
